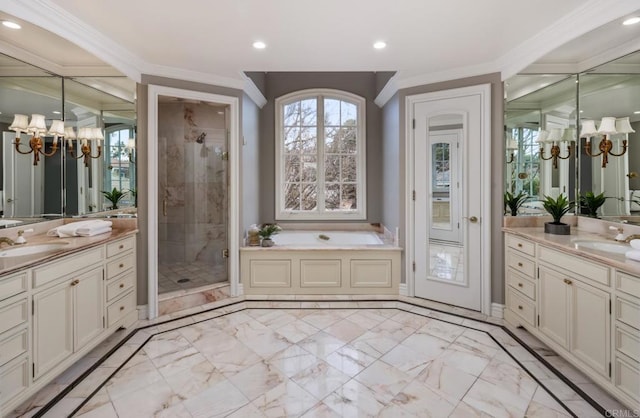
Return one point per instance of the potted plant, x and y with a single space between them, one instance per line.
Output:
557 208
114 197
592 203
266 232
513 202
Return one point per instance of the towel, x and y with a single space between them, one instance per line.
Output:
82 228
633 254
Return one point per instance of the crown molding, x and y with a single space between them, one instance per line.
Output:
387 91
253 91
55 19
194 76
587 17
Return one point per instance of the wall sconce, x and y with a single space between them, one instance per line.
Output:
512 145
552 137
608 126
36 128
85 135
131 147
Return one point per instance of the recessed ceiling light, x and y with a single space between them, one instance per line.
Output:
259 45
11 25
631 21
380 45
637 112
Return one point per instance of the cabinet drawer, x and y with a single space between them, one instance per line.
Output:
521 306
576 265
120 308
627 377
628 284
11 346
120 286
628 343
628 312
12 314
69 265
521 284
520 244
14 378
120 265
521 264
13 285
116 248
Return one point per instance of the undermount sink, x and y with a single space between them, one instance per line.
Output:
31 249
608 247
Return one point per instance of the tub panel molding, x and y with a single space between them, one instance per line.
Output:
321 273
371 273
270 273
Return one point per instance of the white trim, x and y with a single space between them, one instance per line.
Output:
484 91
143 311
403 289
387 92
189 75
497 310
152 184
361 174
253 91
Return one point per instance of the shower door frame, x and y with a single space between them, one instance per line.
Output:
233 148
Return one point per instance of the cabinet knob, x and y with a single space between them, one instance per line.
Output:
519 264
122 308
520 307
121 246
121 285
121 265
519 284
567 281
75 282
519 245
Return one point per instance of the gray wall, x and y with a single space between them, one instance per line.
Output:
250 164
497 266
142 138
634 156
391 174
360 83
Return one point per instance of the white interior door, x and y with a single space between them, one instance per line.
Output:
450 272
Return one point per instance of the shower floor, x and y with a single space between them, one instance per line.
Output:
185 276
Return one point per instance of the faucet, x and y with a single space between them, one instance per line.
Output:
6 240
630 237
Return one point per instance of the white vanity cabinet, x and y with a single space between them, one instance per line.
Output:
584 310
53 313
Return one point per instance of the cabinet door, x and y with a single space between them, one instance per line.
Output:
554 300
590 326
52 327
88 307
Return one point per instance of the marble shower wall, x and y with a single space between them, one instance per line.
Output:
193 181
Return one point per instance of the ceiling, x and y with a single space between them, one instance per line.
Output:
211 41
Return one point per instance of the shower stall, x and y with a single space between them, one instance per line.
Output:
192 195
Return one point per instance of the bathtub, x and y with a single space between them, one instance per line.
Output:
326 238
314 262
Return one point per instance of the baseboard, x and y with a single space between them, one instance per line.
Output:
143 311
240 290
497 310
403 290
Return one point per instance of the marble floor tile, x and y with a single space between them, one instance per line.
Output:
320 362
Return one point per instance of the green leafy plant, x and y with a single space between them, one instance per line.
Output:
114 196
268 230
592 203
557 208
513 202
134 193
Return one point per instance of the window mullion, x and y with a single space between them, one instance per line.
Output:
320 154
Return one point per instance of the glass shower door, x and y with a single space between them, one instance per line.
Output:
192 194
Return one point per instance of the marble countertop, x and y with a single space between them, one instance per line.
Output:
74 245
567 243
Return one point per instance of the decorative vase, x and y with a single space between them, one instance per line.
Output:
267 242
557 229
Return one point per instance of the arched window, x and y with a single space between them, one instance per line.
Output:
320 155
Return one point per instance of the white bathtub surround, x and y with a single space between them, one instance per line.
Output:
404 360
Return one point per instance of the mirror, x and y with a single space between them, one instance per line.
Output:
559 105
66 183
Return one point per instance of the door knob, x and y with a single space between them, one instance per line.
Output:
473 219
